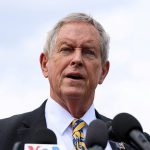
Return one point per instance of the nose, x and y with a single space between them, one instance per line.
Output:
77 58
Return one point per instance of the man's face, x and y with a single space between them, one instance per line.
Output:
74 66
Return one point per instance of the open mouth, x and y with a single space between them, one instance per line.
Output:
75 76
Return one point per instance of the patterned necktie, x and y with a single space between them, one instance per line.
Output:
78 136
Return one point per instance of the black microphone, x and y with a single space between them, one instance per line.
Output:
128 129
41 136
44 136
96 136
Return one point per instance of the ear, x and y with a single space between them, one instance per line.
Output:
104 72
43 63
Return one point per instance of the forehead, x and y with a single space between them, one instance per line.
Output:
79 31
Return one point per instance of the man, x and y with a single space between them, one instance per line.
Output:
75 61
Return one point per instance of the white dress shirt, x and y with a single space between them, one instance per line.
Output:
58 120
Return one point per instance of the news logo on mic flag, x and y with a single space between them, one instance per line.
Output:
43 147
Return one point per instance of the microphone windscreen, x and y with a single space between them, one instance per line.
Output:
97 134
18 146
123 123
44 136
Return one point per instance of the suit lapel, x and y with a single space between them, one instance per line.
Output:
103 118
32 122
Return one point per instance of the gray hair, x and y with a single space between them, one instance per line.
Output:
78 17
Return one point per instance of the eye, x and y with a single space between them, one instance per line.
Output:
66 49
89 52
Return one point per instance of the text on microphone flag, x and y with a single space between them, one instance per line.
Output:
43 147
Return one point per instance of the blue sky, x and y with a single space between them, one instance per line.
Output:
23 29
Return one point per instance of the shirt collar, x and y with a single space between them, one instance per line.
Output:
57 116
89 115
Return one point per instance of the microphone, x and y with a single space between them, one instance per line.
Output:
18 146
128 129
42 138
97 135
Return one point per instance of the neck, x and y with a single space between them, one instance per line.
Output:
77 107
77 110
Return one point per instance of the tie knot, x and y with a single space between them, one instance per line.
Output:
77 125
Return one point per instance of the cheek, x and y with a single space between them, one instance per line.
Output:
56 68
51 71
94 74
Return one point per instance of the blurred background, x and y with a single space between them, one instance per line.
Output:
23 29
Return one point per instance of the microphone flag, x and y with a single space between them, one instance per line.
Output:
43 147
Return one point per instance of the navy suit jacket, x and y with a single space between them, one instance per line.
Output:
21 127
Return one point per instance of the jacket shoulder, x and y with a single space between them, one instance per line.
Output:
10 127
11 122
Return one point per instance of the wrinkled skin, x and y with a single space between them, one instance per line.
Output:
74 67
